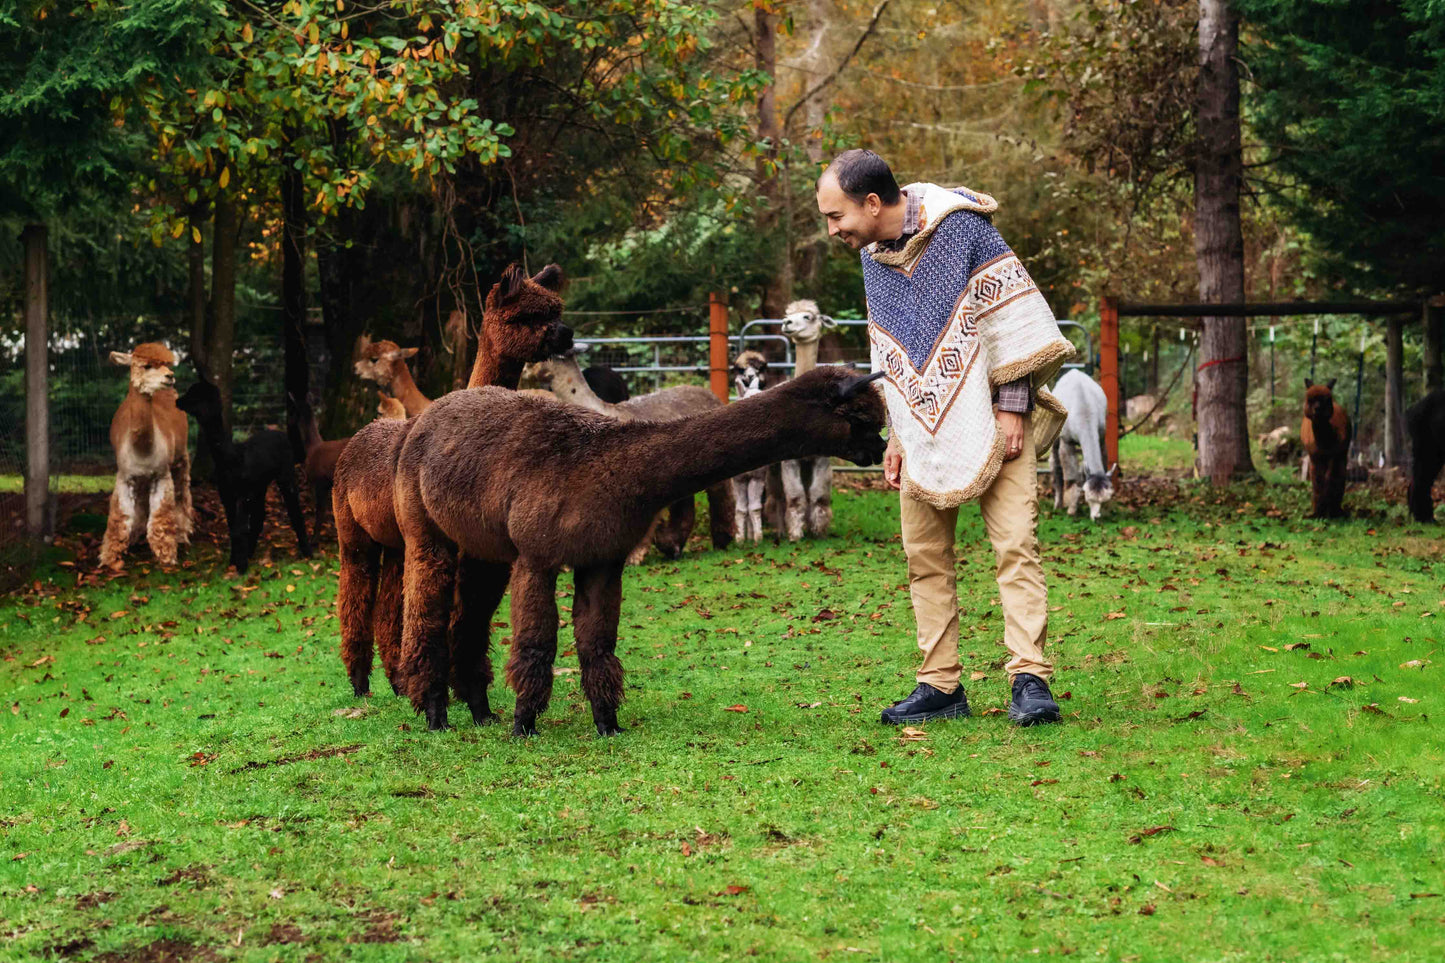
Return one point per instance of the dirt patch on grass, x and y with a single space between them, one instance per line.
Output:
68 950
378 927
304 757
283 933
92 900
197 875
161 951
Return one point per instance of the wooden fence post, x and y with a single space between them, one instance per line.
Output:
1394 391
717 348
37 364
1431 317
1109 375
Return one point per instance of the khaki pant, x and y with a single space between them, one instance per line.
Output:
1010 515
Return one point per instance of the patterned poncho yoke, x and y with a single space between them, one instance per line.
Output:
950 316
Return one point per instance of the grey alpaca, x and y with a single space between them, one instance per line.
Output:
1088 408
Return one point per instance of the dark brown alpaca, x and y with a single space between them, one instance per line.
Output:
1325 434
509 479
521 322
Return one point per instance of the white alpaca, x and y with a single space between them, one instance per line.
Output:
800 492
748 369
1088 409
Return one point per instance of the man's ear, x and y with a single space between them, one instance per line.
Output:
121 358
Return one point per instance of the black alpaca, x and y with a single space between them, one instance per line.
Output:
243 473
1425 424
606 384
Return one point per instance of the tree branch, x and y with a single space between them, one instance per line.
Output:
867 32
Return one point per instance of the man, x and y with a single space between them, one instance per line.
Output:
966 342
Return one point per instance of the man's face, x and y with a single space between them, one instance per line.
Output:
853 223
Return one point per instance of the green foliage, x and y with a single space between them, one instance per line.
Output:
1349 96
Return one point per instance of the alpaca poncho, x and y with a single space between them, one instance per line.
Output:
950 316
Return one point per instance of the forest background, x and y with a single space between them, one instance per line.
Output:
269 180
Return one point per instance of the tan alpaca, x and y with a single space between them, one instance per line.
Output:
152 495
563 377
384 362
388 408
800 492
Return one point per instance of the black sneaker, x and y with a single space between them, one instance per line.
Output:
1032 702
927 703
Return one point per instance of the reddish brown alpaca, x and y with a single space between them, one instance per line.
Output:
521 323
384 362
1325 434
512 479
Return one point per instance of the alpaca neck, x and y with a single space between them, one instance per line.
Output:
569 386
310 434
1324 429
1093 454
709 448
143 424
215 437
405 390
805 354
493 368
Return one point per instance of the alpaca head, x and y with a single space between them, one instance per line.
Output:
151 367
560 373
1098 489
1319 400
377 360
803 322
748 370
390 408
203 401
522 320
842 413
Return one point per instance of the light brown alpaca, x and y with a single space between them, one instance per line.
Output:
800 493
507 479
152 495
521 322
389 408
563 377
384 362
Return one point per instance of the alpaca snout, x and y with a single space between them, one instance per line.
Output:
559 338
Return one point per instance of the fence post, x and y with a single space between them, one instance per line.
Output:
37 360
717 348
1431 316
1394 391
1109 374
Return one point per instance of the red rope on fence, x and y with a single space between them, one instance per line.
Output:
1219 361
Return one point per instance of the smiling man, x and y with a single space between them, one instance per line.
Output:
966 343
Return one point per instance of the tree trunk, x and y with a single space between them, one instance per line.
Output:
37 367
815 64
1219 249
221 340
196 294
777 290
1430 319
1394 392
293 303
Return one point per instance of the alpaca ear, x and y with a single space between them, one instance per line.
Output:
1309 383
847 389
121 358
511 283
550 277
405 353
827 321
1331 384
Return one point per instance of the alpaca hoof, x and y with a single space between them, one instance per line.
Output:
361 690
486 718
521 730
436 719
612 730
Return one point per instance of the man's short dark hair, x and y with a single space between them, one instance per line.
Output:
861 172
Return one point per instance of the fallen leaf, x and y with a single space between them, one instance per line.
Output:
1343 681
1408 699
1299 685
686 849
825 615
1210 861
978 676
735 890
1114 615
1415 664
736 708
1147 909
911 734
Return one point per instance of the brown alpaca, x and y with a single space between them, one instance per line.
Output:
152 495
521 322
564 378
508 479
389 408
1325 434
319 466
384 362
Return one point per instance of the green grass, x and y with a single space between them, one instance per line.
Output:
183 761
69 484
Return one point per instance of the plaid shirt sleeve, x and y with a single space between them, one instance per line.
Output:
1016 396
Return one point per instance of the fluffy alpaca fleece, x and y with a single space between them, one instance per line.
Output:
749 370
244 472
384 362
1425 425
319 466
508 479
606 383
1084 426
152 495
799 493
1325 434
521 322
567 383
389 408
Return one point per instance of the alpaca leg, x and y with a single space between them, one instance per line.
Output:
181 484
162 530
118 528
722 515
1422 478
240 521
292 497
595 610
756 484
534 643
774 502
639 552
1319 480
1338 476
429 577
386 613
740 504
356 595
671 536
479 590
820 497
795 500
1056 470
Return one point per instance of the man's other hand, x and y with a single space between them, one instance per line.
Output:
1011 426
893 463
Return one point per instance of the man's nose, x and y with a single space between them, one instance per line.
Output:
832 229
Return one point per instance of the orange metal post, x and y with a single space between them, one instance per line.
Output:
1109 374
717 349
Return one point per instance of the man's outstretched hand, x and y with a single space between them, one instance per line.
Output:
893 463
